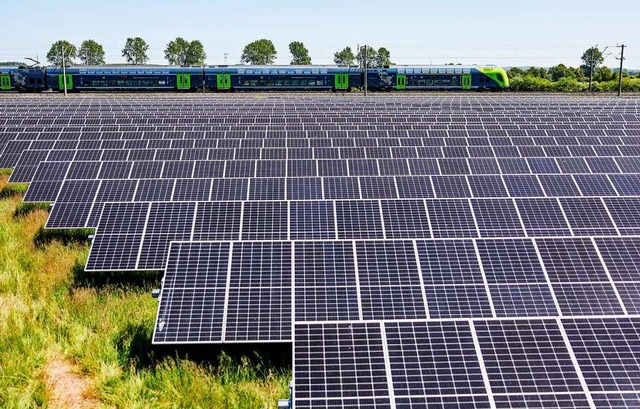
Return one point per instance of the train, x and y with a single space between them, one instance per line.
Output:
252 78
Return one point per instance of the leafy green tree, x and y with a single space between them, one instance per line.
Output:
592 55
383 58
259 52
91 53
184 53
515 72
372 57
538 72
135 51
54 56
603 74
344 58
300 53
558 72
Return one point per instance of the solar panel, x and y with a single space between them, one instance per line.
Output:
450 251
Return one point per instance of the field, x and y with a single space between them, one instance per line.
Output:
70 341
465 250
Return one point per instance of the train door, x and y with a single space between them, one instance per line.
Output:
341 81
5 82
466 81
183 81
69 81
401 81
223 81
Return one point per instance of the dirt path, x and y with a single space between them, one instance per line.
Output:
68 389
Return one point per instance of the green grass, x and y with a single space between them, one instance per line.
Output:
102 325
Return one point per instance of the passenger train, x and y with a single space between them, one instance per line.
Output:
252 78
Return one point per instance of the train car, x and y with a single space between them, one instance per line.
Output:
287 77
125 78
445 77
21 79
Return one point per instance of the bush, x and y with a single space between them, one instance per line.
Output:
529 83
569 85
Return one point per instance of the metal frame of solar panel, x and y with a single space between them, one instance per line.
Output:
449 251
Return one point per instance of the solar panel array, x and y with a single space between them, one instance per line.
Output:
454 251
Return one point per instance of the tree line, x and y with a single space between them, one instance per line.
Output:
573 79
263 52
184 53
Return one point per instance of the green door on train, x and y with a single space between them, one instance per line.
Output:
223 81
183 81
69 81
341 81
5 82
401 81
466 81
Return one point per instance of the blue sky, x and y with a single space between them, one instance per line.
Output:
515 33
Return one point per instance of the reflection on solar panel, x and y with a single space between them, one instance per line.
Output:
446 251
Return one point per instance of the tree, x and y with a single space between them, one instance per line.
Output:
135 51
181 52
538 72
372 57
603 74
300 54
259 52
91 53
344 58
54 56
515 72
593 56
557 72
383 58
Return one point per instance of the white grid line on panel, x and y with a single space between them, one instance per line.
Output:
608 273
387 365
546 277
144 231
357 274
483 369
576 365
421 279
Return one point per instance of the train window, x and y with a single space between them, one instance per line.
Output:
245 83
287 83
499 77
298 71
457 70
162 82
466 70
315 71
240 70
323 71
409 70
253 83
249 71
278 83
306 71
401 70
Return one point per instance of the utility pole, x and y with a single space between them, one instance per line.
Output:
366 64
225 58
64 71
620 73
591 68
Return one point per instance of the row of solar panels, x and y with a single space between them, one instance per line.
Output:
31 167
245 291
136 236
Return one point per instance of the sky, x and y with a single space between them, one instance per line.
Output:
504 33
